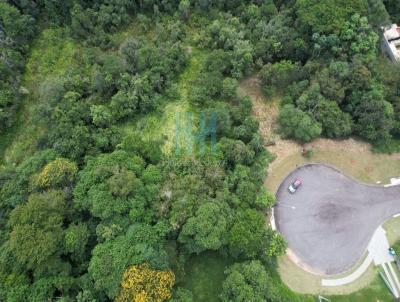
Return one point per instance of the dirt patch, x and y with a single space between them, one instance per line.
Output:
265 110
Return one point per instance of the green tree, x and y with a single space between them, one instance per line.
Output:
393 8
184 9
335 123
37 230
246 282
76 238
58 173
101 115
248 235
140 244
110 188
328 16
207 229
298 124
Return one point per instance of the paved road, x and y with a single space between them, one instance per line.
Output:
330 220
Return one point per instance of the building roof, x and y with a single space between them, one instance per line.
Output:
392 37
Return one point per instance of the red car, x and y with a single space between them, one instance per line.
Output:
294 186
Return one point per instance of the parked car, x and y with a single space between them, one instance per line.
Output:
294 186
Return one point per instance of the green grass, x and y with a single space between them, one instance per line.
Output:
161 125
205 275
376 291
52 54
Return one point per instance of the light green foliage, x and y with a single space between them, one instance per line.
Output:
58 173
101 115
265 199
53 54
37 232
359 37
229 87
277 244
328 16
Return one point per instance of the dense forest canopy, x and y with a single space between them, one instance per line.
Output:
92 209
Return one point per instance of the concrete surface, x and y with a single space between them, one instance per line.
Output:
330 220
378 247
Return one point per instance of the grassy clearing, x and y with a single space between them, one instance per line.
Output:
162 125
52 54
205 275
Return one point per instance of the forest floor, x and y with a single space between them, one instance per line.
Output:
353 157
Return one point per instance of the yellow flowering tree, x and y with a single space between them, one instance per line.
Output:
142 284
59 172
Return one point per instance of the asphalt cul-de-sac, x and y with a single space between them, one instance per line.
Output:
330 220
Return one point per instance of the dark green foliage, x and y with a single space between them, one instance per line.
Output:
207 229
15 183
247 237
110 187
298 124
16 31
378 15
99 193
393 8
276 77
182 295
246 282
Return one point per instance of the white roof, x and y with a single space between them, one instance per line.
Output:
393 32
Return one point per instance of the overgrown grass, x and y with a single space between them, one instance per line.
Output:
52 54
205 275
162 124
